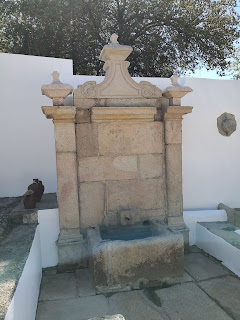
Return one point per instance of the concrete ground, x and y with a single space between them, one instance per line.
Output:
208 291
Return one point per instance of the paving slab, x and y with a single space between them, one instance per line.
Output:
172 281
85 283
114 317
194 249
134 305
187 302
226 291
73 309
201 267
58 286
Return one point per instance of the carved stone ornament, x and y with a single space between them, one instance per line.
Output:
175 92
57 90
118 83
226 124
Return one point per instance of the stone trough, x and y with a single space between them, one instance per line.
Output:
134 256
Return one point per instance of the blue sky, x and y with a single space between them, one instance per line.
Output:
203 73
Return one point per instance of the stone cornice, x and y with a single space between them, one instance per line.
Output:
176 112
140 114
65 114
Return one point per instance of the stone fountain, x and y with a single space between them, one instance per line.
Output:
119 175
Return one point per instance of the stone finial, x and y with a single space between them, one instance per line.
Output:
115 51
57 90
175 92
113 39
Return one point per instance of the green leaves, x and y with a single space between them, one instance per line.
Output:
167 35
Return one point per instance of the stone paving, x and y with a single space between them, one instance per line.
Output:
207 290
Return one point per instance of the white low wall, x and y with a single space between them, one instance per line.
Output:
210 160
192 217
24 303
49 230
218 248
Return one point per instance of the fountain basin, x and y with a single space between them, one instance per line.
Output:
134 256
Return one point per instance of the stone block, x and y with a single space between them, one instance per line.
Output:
92 203
187 301
85 283
173 131
58 286
129 217
201 267
72 309
226 291
87 140
150 166
136 194
126 138
174 179
84 103
67 190
65 136
107 168
71 250
83 115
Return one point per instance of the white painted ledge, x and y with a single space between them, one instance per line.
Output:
192 217
24 303
218 248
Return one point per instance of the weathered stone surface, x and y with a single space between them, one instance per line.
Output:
188 301
226 291
129 217
72 309
92 203
84 103
201 267
87 140
83 115
85 283
58 286
139 194
67 190
65 136
135 306
150 166
71 250
173 131
139 114
174 179
146 259
107 168
226 124
137 138
143 259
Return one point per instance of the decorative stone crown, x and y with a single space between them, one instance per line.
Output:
118 83
175 92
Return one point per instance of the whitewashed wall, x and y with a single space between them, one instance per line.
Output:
210 161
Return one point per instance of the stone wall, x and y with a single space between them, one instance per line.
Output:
120 171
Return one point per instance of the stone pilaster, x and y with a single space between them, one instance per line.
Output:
173 150
70 242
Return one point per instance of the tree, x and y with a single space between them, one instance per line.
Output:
167 35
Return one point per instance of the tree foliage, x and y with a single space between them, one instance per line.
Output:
167 35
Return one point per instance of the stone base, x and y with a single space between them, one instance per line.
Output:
134 256
71 250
